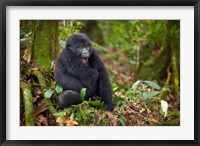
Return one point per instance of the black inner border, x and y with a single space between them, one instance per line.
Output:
5 3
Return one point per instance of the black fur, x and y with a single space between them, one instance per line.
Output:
73 74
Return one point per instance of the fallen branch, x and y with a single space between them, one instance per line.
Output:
28 103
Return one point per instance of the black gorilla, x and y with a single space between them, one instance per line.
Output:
79 66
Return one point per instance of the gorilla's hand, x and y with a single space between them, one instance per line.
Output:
110 106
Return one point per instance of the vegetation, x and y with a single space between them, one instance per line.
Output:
143 60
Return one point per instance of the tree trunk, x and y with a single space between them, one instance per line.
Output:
169 53
45 44
156 68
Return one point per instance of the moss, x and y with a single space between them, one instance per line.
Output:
28 103
155 68
45 42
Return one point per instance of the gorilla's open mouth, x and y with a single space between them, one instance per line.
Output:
84 59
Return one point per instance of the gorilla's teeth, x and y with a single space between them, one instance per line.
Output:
85 60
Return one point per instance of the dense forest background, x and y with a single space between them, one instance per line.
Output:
141 56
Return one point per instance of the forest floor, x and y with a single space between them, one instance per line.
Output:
126 111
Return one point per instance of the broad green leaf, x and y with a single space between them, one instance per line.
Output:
96 103
48 93
138 92
152 84
60 114
154 93
145 95
59 89
62 43
83 93
164 106
120 87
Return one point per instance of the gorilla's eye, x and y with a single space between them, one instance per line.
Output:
87 47
68 46
80 47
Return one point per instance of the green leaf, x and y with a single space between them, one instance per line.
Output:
138 92
78 117
83 93
145 95
175 113
134 87
143 86
67 111
152 84
165 89
62 43
154 93
122 120
120 87
48 93
72 116
60 114
59 89
96 103
83 114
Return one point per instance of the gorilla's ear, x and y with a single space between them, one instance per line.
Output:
68 46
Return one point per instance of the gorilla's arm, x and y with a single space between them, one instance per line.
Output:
77 68
104 87
66 80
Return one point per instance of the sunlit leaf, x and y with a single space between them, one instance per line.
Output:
134 87
145 95
48 93
62 43
60 114
59 89
154 93
165 89
96 103
83 93
120 87
67 111
152 84
72 116
164 106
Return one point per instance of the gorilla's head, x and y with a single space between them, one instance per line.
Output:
80 45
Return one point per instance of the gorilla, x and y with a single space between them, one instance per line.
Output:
79 66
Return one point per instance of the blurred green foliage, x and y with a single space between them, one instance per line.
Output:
128 35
